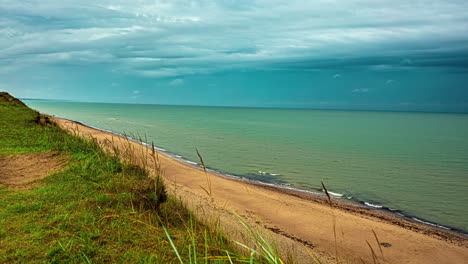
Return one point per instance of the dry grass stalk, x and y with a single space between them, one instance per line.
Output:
374 257
208 180
378 243
334 221
328 195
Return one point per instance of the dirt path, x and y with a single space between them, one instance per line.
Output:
304 223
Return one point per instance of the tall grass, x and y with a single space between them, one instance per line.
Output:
208 180
262 250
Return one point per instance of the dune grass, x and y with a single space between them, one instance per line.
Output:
98 209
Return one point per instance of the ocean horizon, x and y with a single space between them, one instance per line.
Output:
411 163
331 108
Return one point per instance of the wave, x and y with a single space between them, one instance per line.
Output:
268 173
373 205
430 223
335 194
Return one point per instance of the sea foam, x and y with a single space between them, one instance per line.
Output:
373 205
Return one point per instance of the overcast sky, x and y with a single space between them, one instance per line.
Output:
352 54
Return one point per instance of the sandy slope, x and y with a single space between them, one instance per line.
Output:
303 223
16 171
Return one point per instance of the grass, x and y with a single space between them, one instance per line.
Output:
98 209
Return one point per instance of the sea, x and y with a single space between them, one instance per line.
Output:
410 163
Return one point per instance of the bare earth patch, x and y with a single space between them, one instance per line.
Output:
19 170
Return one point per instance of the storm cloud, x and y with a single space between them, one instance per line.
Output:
165 41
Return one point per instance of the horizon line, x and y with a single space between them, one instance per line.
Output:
258 107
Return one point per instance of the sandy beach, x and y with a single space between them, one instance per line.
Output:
302 223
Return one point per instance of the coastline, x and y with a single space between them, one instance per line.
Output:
349 204
355 214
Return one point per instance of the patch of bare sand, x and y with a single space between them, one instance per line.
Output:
18 171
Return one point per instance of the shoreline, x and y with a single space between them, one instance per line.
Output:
380 220
350 205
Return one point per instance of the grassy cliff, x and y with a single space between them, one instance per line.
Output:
95 208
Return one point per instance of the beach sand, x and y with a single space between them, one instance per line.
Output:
302 223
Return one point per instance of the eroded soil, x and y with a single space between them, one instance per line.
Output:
23 169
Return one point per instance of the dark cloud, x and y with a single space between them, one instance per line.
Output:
174 39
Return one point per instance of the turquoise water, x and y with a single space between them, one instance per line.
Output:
416 163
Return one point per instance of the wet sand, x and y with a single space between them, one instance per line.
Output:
302 223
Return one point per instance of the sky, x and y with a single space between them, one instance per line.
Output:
353 54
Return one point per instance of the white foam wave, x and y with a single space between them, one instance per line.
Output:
268 173
335 194
373 205
429 223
